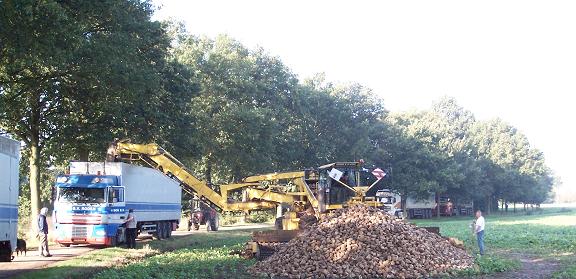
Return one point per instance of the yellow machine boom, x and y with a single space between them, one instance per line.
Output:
160 159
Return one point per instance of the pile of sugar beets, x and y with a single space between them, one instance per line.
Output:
364 242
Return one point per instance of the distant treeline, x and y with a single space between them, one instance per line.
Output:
74 76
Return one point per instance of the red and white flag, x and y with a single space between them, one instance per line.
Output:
378 173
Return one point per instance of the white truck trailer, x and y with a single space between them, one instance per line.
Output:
92 203
421 208
9 170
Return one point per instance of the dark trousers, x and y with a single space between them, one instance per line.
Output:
43 244
131 237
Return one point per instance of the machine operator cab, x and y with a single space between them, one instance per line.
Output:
344 183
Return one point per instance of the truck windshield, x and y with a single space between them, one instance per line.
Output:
77 194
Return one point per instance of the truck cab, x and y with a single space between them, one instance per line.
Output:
391 202
89 209
344 183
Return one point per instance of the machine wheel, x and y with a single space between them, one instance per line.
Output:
212 224
208 225
278 223
217 222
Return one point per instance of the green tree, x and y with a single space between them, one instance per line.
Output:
75 74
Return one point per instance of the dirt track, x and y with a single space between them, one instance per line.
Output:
32 261
532 267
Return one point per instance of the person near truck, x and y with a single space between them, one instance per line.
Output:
130 230
479 231
43 233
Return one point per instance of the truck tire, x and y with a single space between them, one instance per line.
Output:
159 229
170 226
167 229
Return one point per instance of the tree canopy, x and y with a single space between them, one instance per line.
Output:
76 75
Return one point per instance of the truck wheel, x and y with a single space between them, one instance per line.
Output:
166 229
160 228
114 241
158 233
196 226
170 226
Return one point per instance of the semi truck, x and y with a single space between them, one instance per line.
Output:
93 200
9 171
423 208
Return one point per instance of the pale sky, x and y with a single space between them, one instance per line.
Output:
510 59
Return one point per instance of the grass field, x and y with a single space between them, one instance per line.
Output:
549 236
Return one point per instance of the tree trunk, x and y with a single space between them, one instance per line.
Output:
83 153
208 170
34 162
437 198
403 198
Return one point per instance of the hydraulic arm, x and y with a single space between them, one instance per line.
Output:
158 158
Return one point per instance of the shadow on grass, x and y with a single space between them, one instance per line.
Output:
58 272
89 264
185 263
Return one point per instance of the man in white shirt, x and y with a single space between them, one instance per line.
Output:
479 231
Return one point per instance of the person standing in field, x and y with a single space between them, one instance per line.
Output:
479 231
43 233
131 229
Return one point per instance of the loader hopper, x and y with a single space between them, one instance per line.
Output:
266 243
